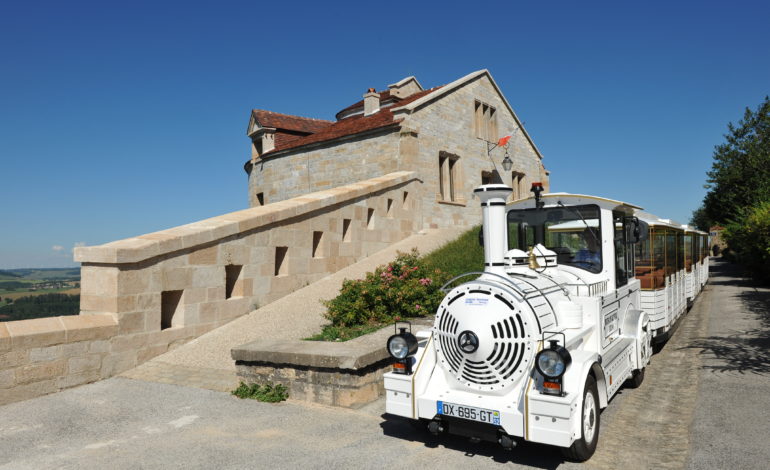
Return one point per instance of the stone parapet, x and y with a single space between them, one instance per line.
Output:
46 355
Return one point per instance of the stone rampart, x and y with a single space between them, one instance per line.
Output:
144 295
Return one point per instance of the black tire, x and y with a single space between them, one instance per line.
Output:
636 379
582 450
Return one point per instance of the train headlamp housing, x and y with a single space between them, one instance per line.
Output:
401 346
552 363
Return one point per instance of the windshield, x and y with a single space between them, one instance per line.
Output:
573 233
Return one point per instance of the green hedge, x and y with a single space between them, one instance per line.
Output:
749 240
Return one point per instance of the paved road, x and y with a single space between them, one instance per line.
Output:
704 404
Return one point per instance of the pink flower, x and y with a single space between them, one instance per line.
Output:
417 307
426 281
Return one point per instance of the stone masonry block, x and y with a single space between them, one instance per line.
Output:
89 327
42 371
176 278
36 333
98 304
208 276
73 380
27 391
135 281
129 323
5 338
74 349
90 362
7 378
117 363
204 256
14 358
45 354
98 281
129 342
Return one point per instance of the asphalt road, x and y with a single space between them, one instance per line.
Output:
704 404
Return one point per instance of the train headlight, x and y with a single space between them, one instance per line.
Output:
553 362
402 345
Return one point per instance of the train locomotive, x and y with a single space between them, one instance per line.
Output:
533 347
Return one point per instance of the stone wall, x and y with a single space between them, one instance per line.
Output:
447 124
324 166
142 296
46 355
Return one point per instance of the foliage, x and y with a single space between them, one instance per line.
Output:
38 306
740 174
459 256
700 220
739 191
343 333
267 393
404 288
749 238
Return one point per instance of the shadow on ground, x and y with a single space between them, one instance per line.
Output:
525 453
744 352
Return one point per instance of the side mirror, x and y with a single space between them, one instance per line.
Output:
639 230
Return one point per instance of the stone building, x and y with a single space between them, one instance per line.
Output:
442 133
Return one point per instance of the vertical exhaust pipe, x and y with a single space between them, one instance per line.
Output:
493 197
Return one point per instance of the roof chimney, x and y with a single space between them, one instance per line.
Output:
371 102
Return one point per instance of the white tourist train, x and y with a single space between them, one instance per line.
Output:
537 344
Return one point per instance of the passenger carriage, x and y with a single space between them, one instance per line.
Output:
537 344
672 267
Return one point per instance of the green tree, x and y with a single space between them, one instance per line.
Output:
700 220
740 174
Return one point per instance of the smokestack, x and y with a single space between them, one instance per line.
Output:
371 102
493 198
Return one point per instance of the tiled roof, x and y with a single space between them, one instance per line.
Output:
292 123
384 96
345 127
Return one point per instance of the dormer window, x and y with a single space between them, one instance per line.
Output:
485 121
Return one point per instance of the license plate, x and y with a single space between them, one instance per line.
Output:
468 412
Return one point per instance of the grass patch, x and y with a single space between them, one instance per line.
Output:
268 392
344 333
459 256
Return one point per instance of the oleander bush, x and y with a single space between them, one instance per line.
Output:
407 287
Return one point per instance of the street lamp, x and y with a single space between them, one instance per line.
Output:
503 142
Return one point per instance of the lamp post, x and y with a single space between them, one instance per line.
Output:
502 142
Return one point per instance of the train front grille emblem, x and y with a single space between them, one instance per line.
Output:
525 349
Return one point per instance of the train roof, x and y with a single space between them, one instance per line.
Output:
655 221
574 199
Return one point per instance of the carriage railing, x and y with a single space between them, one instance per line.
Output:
589 290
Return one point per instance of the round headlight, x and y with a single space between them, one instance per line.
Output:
397 347
552 363
402 345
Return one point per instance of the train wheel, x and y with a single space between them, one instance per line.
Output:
583 448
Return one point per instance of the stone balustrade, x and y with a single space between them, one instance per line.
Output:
144 295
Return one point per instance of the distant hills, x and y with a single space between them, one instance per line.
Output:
35 274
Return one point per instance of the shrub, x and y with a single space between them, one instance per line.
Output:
749 238
404 288
268 392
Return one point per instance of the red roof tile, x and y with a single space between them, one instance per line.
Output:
286 121
349 126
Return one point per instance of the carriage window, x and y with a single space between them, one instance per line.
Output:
623 264
679 251
688 254
670 252
573 233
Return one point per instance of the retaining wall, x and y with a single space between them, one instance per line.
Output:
144 295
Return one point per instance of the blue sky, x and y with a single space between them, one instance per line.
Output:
118 119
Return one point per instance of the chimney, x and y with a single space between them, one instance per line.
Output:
371 102
493 198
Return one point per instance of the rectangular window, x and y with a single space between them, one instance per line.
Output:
261 199
281 263
517 183
233 288
485 121
448 176
318 245
170 308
